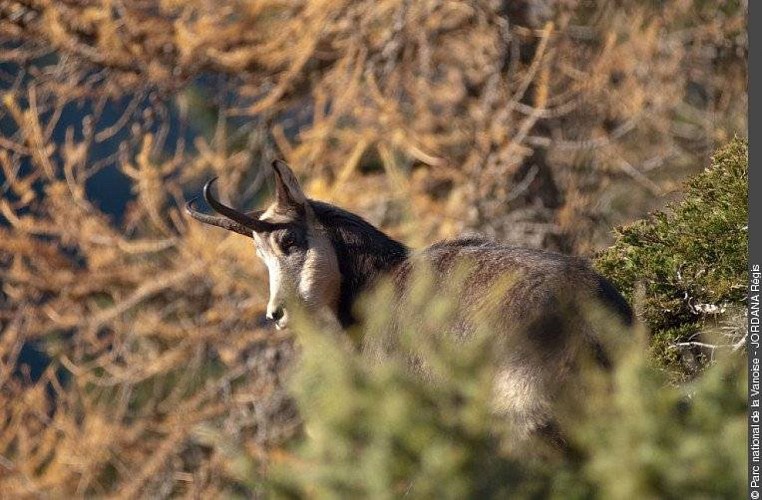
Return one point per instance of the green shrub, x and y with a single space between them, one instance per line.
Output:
651 439
691 260
376 429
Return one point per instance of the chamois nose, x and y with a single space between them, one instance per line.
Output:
276 314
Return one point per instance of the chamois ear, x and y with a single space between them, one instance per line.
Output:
287 189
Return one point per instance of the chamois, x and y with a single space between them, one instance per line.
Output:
325 257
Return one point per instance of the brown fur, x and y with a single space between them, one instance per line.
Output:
538 317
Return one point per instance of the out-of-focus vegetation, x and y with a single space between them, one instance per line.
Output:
382 431
529 120
692 263
541 122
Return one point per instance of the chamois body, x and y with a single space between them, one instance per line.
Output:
539 317
325 258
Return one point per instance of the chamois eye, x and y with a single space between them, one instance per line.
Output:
288 243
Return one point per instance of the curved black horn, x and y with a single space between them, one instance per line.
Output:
216 220
231 213
233 220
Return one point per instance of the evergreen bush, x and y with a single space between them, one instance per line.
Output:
379 430
691 261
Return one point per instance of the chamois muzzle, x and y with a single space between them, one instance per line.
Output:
233 220
276 314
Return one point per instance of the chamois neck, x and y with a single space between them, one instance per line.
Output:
364 253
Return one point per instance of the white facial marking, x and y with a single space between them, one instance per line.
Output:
319 279
310 276
275 274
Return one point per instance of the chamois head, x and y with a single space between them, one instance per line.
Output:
291 241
